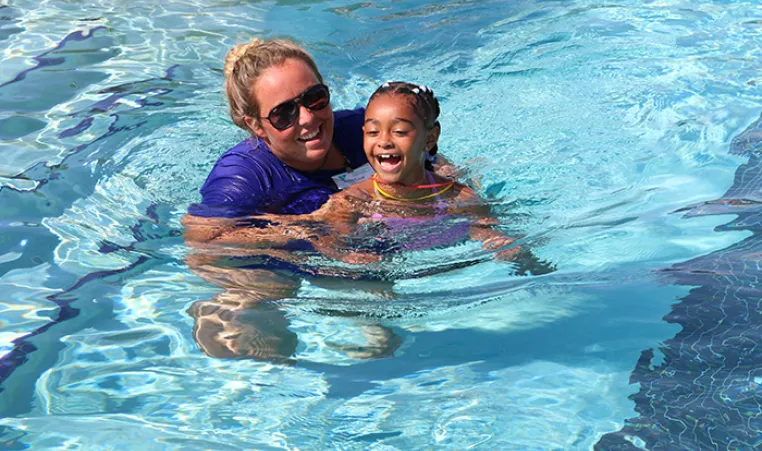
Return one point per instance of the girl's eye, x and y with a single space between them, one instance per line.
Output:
371 132
401 132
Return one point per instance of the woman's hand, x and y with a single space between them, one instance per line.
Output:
359 258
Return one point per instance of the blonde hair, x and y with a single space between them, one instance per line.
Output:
245 63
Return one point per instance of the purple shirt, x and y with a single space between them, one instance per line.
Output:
249 179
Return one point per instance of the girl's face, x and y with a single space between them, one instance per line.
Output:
396 141
303 146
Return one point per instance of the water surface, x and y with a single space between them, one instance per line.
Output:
598 130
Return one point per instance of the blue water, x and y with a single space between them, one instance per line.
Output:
622 141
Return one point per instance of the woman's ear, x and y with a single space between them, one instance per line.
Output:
433 137
255 127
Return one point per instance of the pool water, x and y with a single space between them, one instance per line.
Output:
621 141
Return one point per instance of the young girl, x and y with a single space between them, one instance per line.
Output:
405 196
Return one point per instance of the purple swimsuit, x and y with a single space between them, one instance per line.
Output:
419 233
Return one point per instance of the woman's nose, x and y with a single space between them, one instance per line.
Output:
305 115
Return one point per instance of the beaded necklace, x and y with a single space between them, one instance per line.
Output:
447 186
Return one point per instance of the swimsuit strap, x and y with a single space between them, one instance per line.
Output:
440 206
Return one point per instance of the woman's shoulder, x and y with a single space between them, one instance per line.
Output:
348 135
346 116
248 161
250 149
349 121
244 180
247 154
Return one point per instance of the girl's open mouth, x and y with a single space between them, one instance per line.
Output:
389 162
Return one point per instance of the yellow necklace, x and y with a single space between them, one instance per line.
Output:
412 199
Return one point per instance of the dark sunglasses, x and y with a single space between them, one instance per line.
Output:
285 114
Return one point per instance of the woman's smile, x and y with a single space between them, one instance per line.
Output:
305 145
311 136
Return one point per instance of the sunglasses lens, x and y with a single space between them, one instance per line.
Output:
316 98
284 115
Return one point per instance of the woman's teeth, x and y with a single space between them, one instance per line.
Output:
310 136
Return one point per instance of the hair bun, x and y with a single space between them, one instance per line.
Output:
237 52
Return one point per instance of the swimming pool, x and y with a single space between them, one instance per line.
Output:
621 139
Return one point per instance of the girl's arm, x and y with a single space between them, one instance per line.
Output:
483 229
483 225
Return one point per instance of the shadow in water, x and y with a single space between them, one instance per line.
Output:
707 391
9 22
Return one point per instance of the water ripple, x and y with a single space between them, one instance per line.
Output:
586 125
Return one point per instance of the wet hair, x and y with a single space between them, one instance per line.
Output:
423 101
245 63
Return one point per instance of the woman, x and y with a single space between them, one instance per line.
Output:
298 145
300 153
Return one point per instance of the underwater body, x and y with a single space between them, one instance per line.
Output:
620 141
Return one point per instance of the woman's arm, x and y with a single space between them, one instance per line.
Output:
268 230
341 215
445 168
271 231
339 210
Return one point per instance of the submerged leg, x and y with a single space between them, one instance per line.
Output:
258 332
381 341
244 321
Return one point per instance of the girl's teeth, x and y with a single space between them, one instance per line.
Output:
387 160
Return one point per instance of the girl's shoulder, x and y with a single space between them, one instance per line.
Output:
465 200
459 191
464 192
